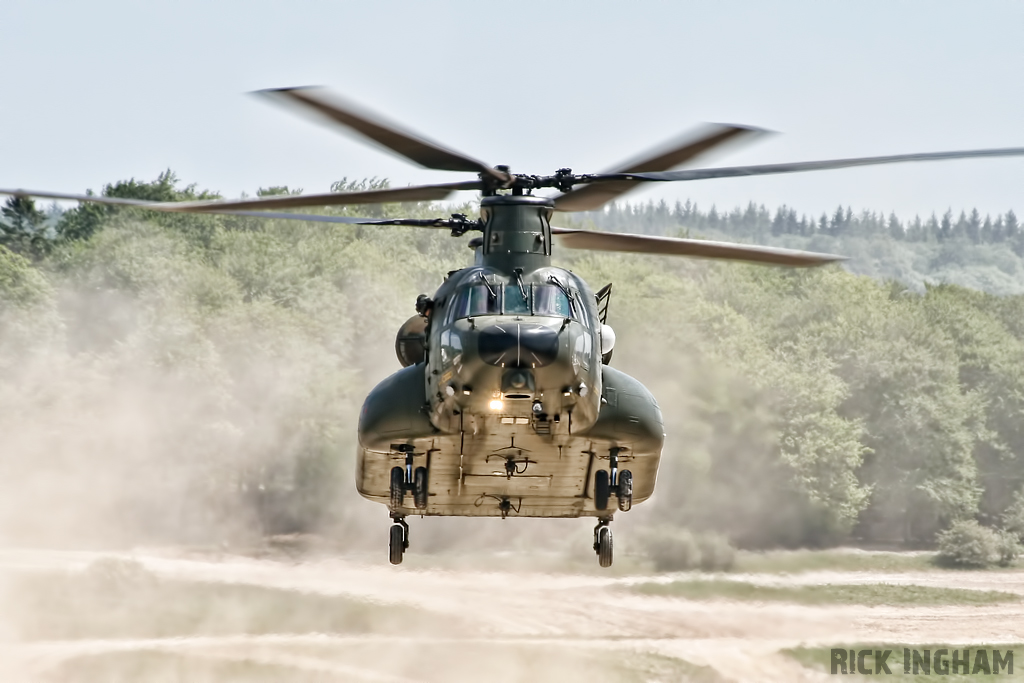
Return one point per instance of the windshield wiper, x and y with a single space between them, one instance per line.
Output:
518 275
493 293
565 290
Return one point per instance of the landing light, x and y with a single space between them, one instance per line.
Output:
496 405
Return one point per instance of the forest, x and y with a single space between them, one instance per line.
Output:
192 378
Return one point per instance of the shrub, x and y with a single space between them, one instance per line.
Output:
968 544
1013 517
1009 548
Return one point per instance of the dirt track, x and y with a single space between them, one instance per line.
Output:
739 640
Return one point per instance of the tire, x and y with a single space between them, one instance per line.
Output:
396 546
625 493
419 487
604 547
601 490
397 487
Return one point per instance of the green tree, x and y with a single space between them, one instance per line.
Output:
23 228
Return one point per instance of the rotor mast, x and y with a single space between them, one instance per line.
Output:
517 232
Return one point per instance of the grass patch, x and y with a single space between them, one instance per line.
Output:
441 663
117 599
837 559
829 594
820 659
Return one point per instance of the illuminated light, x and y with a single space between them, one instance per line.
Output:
522 420
508 420
467 391
496 405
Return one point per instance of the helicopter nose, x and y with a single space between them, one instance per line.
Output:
519 345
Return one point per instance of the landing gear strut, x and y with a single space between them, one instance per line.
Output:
408 479
399 539
607 482
603 542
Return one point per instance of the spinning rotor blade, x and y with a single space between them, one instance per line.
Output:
443 223
661 158
801 166
415 193
676 246
404 143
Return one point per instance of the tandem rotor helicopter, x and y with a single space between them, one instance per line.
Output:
506 404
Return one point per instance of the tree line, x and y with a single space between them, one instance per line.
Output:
198 376
756 222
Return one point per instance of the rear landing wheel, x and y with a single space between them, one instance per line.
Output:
397 488
397 545
604 546
419 487
625 490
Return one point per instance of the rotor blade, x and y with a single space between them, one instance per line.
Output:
661 158
415 193
315 218
444 223
417 149
96 199
676 246
801 166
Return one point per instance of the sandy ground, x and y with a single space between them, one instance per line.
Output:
741 640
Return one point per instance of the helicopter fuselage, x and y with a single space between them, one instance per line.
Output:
505 400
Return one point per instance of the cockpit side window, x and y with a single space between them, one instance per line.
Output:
477 300
550 300
579 309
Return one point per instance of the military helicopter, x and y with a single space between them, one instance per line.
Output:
506 404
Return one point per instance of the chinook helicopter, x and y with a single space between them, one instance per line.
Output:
506 404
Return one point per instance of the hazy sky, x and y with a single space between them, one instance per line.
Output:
108 89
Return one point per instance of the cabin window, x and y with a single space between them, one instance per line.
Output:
451 347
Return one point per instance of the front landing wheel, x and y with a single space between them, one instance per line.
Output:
397 546
604 546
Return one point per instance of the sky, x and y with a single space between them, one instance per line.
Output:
105 90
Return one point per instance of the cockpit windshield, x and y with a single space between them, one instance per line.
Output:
549 300
477 300
517 300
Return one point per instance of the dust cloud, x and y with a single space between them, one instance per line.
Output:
178 504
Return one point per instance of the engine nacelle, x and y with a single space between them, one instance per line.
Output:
411 342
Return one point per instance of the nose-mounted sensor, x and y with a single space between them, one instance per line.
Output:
517 383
